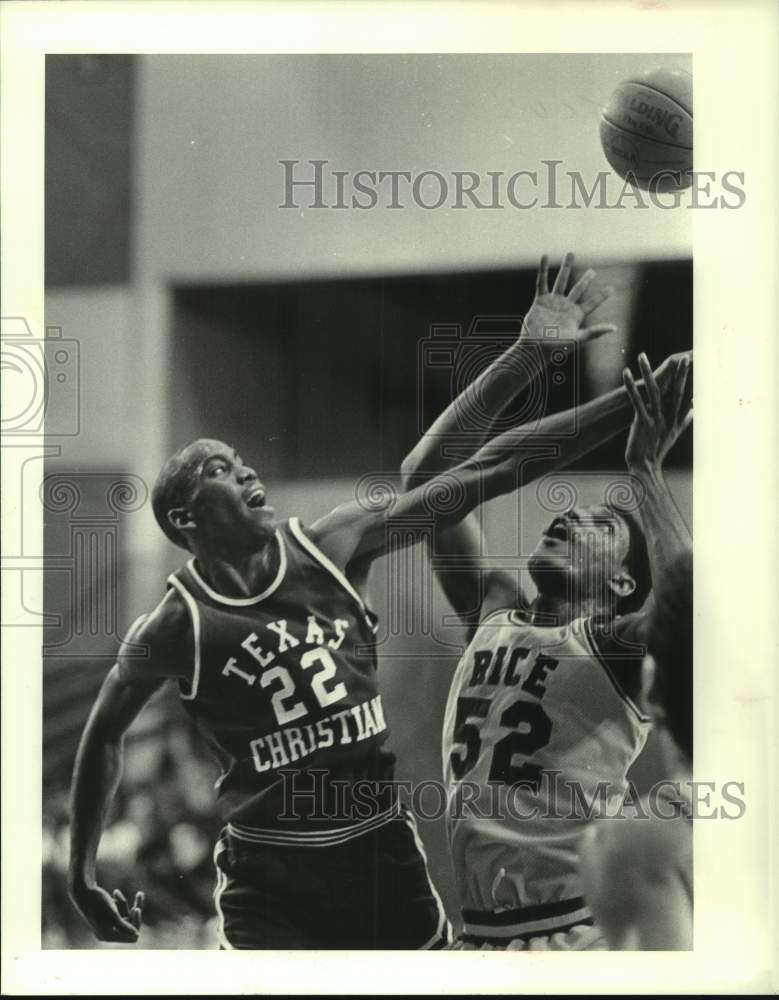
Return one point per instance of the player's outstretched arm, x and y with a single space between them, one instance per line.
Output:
556 317
552 444
505 464
658 422
467 586
98 768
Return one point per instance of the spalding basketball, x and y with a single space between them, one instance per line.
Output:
646 130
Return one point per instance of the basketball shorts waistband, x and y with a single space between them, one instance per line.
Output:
502 926
313 838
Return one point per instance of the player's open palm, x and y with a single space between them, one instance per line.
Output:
556 315
110 916
661 416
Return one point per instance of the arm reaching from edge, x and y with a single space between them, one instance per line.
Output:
552 444
656 427
351 532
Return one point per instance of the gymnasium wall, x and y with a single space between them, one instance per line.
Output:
212 133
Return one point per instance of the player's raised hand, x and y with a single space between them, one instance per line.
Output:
661 414
110 917
556 315
666 372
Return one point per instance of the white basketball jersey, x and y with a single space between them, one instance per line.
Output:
539 734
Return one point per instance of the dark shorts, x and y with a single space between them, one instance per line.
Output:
363 887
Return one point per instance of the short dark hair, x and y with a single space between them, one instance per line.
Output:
173 488
669 640
637 563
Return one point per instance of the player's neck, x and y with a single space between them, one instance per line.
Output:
554 609
240 574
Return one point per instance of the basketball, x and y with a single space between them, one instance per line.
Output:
646 130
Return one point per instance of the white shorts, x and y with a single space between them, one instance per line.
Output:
582 937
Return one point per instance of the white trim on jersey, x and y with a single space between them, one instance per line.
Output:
312 838
221 885
191 604
330 566
139 621
242 602
541 927
591 641
443 933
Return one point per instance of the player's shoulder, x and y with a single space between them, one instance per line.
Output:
615 638
166 624
158 643
618 646
504 600
300 537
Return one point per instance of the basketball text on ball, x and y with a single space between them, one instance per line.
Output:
646 130
658 116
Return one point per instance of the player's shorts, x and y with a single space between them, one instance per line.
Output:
579 938
564 925
356 887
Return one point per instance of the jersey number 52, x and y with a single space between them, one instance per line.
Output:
531 730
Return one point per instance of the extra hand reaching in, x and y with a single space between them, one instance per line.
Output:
561 312
660 420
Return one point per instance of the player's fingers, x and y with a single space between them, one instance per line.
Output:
652 389
124 931
679 390
120 902
635 397
687 420
542 278
136 913
561 281
581 285
114 927
593 332
597 298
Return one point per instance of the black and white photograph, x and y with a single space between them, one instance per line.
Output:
353 442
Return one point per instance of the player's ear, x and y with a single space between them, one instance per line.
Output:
181 518
622 583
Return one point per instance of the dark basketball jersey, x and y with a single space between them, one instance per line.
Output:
284 681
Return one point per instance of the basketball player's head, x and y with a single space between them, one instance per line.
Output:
667 672
205 497
595 558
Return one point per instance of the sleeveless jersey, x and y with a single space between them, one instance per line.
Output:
284 681
537 730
